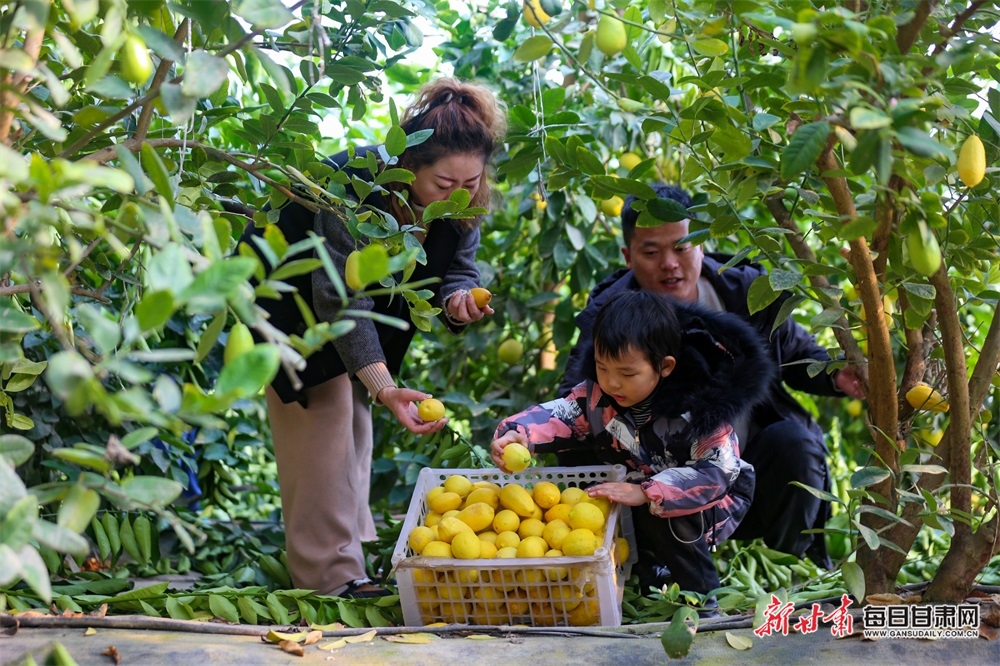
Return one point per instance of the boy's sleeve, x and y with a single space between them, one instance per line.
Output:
553 425
702 482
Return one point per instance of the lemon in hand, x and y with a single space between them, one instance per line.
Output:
516 457
430 409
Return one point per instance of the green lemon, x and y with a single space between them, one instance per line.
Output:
240 341
136 65
611 38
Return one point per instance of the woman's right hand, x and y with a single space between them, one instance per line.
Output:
499 444
402 403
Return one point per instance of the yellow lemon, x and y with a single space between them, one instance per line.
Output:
585 615
932 437
481 296
532 546
546 494
559 512
352 271
506 521
449 514
488 535
419 537
538 514
555 573
478 516
487 550
485 495
612 207
516 457
530 527
517 499
449 528
487 484
573 495
622 549
466 546
555 533
432 493
972 161
629 160
437 549
855 408
602 503
430 409
432 519
458 484
507 540
923 396
445 502
585 515
507 553
565 597
580 542
533 13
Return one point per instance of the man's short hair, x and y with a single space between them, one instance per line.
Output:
629 216
644 320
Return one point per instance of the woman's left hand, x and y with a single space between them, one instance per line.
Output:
629 494
463 309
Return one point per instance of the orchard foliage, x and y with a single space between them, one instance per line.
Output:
823 142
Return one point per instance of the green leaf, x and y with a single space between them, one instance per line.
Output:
395 141
13 320
247 610
154 310
59 538
177 610
924 469
867 476
816 492
263 13
223 608
16 449
854 579
869 535
781 280
148 592
210 288
761 121
157 172
865 118
533 48
373 263
150 492
137 437
17 525
710 47
34 572
678 637
248 373
760 294
78 507
804 149
278 612
920 143
349 615
84 458
204 74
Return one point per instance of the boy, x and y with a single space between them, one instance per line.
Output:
670 380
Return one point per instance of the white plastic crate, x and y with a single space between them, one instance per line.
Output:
549 591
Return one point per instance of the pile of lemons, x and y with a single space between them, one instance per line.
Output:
482 520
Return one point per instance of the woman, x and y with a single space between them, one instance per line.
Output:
323 432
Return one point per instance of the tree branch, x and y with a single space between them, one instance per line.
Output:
13 89
146 116
957 24
907 34
36 286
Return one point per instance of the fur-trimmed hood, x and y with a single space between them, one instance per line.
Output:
723 371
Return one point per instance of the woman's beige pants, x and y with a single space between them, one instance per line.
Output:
324 456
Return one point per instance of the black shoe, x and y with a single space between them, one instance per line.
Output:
363 589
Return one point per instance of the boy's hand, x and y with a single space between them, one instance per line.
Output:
629 494
496 449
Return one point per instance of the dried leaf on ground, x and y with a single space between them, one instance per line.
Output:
884 599
988 632
335 645
113 652
362 638
273 636
738 642
291 647
333 626
90 631
481 637
313 637
412 639
100 612
33 613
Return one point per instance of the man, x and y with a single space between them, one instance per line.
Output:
781 440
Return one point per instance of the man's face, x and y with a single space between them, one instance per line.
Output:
663 266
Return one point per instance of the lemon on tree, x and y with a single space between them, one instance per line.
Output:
240 342
924 250
352 271
629 160
924 396
533 13
136 65
972 161
510 351
430 409
613 206
611 38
